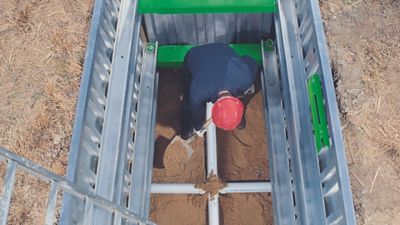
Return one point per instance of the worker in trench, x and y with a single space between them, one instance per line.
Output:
216 73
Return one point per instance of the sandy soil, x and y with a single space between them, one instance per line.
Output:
364 44
242 155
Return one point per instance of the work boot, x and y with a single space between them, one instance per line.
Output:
242 123
187 135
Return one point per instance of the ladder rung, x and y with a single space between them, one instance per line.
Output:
51 203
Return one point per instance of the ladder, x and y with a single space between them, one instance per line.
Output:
57 184
109 170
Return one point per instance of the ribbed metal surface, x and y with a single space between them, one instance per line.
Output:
321 189
208 28
334 176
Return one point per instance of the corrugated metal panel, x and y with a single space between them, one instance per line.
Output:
208 28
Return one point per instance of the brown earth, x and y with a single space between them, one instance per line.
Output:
364 44
242 155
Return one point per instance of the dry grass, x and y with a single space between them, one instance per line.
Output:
42 45
364 40
41 50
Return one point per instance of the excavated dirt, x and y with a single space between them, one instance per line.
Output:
176 156
242 156
212 185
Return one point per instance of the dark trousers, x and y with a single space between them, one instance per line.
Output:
186 120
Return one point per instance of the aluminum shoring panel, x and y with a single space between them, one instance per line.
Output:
307 186
89 116
283 205
94 80
144 140
207 28
111 150
334 161
61 184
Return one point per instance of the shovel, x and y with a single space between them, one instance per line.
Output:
179 151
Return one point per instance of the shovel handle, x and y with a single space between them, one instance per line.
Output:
207 123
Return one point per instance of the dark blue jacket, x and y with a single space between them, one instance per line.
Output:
215 68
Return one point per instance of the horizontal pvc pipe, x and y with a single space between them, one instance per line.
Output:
248 187
177 188
231 188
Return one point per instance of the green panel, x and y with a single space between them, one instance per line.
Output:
206 6
318 113
173 55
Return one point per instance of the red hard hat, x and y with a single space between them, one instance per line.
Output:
227 112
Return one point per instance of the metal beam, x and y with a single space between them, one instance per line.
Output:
173 55
111 144
144 140
206 6
283 205
307 186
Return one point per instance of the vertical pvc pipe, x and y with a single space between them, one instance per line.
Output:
212 168
211 144
213 209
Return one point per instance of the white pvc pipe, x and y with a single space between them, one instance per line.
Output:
212 168
175 188
213 209
248 187
211 144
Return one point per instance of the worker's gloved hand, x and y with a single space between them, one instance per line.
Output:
200 132
251 90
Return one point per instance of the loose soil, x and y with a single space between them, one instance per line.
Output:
242 156
364 44
212 185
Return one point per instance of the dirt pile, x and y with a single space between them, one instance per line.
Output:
212 185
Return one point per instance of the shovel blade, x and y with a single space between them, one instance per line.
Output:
177 154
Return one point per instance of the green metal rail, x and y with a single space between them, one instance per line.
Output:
206 6
173 55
